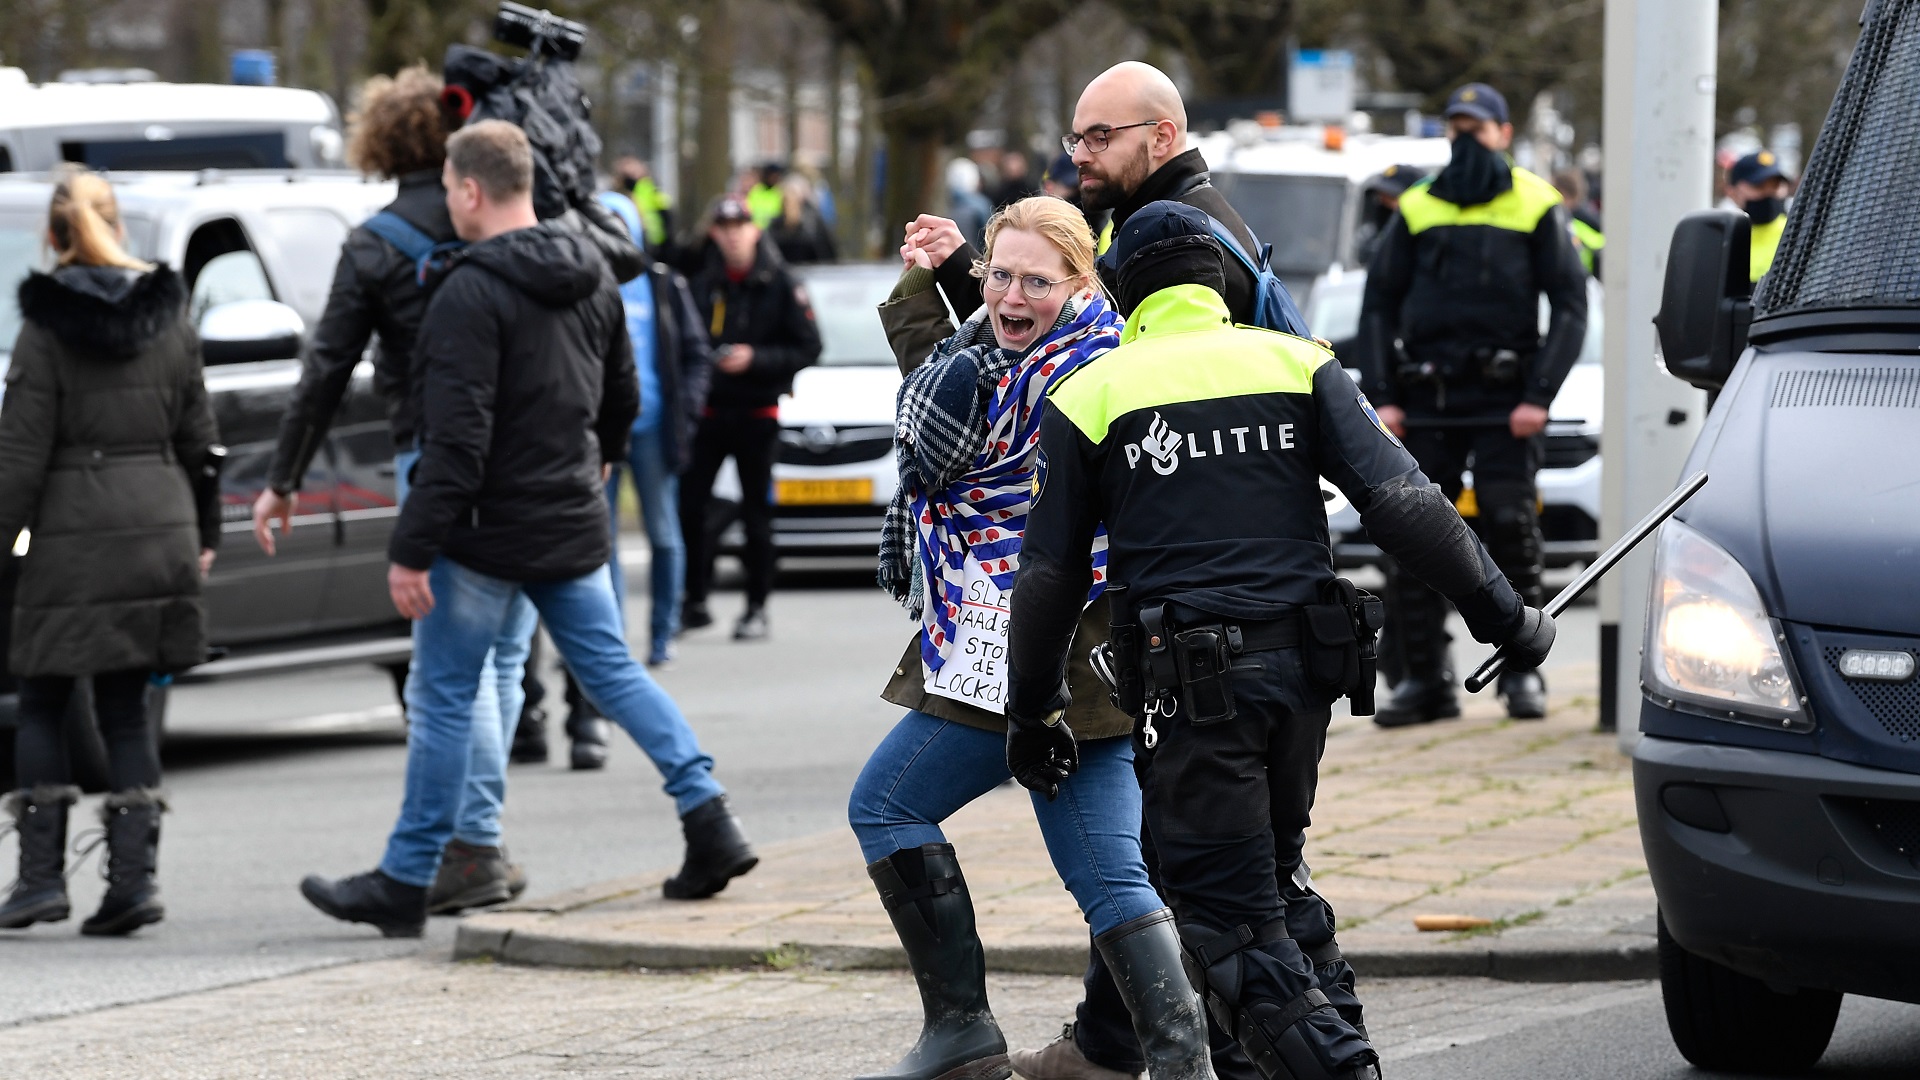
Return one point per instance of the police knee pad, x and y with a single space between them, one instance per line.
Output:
1284 1040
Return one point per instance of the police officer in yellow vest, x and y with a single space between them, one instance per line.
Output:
1199 445
1756 184
1451 351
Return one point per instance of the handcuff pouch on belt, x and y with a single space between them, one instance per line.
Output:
1118 661
1339 640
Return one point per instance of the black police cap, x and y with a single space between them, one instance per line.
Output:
1157 222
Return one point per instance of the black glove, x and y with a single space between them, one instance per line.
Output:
1041 753
1527 648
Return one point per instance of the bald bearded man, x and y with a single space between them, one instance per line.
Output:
1129 141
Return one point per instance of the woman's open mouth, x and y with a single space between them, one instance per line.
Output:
1015 326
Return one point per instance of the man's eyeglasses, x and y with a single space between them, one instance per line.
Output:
1035 286
1099 136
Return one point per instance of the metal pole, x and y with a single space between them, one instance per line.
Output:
1660 64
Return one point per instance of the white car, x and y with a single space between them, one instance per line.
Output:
155 126
1569 481
835 474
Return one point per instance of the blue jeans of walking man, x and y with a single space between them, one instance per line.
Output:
471 611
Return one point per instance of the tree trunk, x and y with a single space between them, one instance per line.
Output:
914 150
713 162
856 215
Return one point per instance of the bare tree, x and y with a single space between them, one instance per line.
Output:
1521 47
1782 59
1233 48
932 64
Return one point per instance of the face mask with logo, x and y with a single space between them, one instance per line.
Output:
1764 209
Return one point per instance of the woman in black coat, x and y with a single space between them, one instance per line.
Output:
105 422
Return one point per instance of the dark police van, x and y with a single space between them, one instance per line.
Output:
257 249
1778 779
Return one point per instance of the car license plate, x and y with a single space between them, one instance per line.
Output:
823 492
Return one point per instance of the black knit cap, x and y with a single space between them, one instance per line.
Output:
1164 244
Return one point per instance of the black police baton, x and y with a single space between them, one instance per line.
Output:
1491 667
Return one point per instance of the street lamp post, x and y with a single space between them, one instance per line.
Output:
1660 64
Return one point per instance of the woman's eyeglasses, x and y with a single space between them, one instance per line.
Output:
1099 136
1035 286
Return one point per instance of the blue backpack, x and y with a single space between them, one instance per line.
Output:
407 238
1273 306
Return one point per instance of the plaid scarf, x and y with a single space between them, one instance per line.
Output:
967 430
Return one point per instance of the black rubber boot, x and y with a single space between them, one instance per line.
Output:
470 876
586 729
717 852
40 821
927 900
530 737
132 819
396 909
1144 956
1525 693
1417 618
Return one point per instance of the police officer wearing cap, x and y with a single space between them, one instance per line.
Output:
1199 445
1382 193
1756 185
1451 350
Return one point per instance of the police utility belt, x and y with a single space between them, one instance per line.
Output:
1155 665
1482 365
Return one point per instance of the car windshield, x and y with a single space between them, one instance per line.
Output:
1299 215
1335 310
844 300
21 250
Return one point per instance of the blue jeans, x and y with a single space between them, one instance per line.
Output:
496 705
659 492
471 611
926 769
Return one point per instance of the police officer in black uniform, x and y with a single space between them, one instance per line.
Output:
1199 444
1450 349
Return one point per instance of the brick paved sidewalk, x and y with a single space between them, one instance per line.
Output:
1530 824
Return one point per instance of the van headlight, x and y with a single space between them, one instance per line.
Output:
1709 640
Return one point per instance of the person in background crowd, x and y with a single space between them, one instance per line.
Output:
1016 180
800 232
634 179
763 331
764 198
1583 223
1452 355
1757 185
107 451
986 385
965 205
822 194
524 361
1382 193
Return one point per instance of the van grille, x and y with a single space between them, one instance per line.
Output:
1894 822
1895 705
1888 387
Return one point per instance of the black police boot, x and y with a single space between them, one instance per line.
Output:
1418 619
1144 956
927 900
132 819
530 737
470 876
396 909
695 616
40 821
1525 693
586 730
717 852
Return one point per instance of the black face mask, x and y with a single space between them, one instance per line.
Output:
1475 175
1765 208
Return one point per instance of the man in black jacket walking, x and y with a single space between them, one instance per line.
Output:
763 332
527 389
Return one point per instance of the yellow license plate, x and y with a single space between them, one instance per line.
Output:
823 492
1467 503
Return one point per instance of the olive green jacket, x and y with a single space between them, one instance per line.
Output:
916 320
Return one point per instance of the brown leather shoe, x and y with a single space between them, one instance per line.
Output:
1061 1059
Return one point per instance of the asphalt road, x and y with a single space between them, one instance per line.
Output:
275 778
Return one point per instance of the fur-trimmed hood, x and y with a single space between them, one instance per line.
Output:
104 310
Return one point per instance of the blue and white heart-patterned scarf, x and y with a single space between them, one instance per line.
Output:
983 510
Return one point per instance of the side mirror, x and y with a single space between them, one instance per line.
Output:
242 331
1706 304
